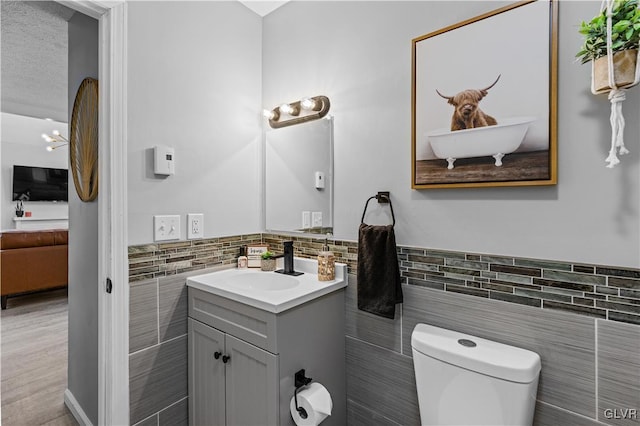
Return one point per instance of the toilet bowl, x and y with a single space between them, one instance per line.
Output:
467 380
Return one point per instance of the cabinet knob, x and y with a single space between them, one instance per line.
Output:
225 358
216 355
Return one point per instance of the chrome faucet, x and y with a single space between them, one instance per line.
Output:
288 260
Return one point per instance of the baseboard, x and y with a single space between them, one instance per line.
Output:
75 408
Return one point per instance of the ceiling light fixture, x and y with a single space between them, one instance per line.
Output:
306 109
53 139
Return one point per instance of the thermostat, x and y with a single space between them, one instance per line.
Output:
164 160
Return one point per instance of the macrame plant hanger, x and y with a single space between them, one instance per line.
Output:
616 95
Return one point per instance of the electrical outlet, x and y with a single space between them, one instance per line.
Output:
166 227
316 219
195 226
306 220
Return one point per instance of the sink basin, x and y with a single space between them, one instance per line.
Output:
270 291
261 282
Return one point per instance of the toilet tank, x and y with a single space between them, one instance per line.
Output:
468 380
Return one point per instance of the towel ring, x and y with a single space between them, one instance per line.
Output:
379 197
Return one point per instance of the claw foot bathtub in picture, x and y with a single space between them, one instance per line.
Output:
496 141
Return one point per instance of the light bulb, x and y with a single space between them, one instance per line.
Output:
268 114
49 148
56 133
286 109
307 104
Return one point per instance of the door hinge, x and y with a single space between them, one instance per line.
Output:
109 285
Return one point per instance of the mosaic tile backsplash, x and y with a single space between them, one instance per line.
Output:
593 290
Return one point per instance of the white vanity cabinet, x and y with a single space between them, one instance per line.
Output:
254 385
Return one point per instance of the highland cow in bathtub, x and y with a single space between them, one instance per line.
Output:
467 114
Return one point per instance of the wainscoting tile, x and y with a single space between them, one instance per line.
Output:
143 315
357 415
173 306
548 415
176 415
565 342
382 381
150 421
618 373
369 327
157 378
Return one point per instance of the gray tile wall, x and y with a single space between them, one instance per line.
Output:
573 348
573 315
156 260
619 373
158 312
591 290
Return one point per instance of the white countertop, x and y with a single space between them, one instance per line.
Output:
222 283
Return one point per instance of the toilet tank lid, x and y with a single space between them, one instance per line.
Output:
486 357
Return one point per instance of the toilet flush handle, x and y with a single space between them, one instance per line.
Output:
467 343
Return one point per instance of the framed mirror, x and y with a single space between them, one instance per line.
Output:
298 192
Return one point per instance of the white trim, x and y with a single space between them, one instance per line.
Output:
113 329
113 309
93 8
75 408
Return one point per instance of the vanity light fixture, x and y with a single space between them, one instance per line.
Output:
53 139
306 109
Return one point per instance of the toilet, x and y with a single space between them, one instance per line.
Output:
467 380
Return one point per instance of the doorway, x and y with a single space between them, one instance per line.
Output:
110 375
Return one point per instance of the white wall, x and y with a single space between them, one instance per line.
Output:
194 83
22 145
359 54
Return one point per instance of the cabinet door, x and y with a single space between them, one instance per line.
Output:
252 385
206 376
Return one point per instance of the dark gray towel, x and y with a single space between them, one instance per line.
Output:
379 287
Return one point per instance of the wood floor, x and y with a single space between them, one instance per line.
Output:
34 360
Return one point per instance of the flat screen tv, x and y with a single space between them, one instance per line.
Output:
40 184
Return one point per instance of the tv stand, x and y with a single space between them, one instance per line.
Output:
41 223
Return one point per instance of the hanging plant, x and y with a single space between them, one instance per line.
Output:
625 31
611 44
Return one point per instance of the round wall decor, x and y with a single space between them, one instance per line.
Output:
83 140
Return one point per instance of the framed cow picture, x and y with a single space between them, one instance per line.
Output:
484 100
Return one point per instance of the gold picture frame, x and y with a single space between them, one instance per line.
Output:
83 140
497 123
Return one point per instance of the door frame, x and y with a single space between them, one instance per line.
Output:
113 308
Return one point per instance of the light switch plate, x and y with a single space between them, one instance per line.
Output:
166 227
195 226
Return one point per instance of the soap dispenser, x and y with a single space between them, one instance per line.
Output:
326 264
243 261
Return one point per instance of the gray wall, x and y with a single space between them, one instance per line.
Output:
194 83
361 59
83 241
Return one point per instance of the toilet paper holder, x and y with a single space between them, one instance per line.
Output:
300 381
